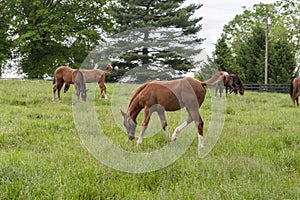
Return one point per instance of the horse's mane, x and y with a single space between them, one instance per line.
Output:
237 79
137 92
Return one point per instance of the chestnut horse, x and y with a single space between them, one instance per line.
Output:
77 79
161 96
295 90
63 75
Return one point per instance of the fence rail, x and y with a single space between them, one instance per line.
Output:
276 88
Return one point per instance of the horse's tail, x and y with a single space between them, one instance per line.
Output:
292 88
108 69
53 82
204 83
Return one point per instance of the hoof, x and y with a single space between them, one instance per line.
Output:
139 142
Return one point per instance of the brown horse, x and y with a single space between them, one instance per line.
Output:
63 75
74 77
161 96
219 80
231 82
79 84
295 90
236 83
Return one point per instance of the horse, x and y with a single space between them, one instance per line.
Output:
219 80
231 82
161 96
79 84
236 83
63 75
295 90
73 77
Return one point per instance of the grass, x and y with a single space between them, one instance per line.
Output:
42 157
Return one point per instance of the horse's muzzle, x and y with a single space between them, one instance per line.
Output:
130 137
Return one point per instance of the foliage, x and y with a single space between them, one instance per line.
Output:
42 156
244 37
161 25
51 33
4 40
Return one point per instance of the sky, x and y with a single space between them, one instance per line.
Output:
216 14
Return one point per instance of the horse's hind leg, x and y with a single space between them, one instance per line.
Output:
102 90
180 127
54 91
59 86
162 116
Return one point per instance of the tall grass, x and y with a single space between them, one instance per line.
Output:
256 157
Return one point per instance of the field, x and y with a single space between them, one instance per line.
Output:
257 155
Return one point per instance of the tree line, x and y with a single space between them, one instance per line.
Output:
241 48
162 38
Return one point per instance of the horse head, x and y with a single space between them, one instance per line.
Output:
83 94
238 83
129 124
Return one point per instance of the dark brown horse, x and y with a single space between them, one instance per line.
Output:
161 96
63 75
236 83
295 90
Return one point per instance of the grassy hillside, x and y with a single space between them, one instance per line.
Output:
256 157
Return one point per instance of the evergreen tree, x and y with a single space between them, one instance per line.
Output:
250 56
245 36
166 37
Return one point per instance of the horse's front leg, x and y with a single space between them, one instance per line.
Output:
145 122
59 86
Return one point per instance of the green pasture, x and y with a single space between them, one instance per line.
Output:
42 156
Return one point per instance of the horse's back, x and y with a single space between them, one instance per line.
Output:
63 73
92 75
172 95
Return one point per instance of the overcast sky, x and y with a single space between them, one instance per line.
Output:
216 14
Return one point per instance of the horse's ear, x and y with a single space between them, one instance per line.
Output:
123 114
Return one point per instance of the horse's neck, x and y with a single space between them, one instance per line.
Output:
214 80
134 109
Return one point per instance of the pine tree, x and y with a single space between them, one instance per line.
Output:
161 37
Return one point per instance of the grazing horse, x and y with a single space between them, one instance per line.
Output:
231 82
237 84
79 84
295 90
219 80
161 96
74 77
63 75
